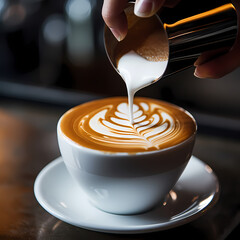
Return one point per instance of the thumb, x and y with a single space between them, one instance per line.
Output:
147 8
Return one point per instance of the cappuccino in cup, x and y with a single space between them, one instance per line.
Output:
125 168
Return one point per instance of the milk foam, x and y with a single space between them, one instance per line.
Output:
104 125
137 72
147 130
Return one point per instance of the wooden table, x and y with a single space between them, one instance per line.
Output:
28 142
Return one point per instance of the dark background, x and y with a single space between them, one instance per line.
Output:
52 58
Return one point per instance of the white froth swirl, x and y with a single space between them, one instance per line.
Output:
152 126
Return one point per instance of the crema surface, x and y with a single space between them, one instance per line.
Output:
104 125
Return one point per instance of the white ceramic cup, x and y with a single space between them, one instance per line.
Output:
122 183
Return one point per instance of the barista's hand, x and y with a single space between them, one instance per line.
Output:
216 64
114 17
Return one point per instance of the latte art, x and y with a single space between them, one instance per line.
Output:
104 125
148 130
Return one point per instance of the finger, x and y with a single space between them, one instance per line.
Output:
147 8
220 66
115 18
210 55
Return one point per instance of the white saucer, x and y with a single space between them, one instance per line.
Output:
194 193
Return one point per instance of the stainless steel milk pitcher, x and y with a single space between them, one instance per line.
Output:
190 36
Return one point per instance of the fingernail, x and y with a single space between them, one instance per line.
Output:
144 8
197 74
117 34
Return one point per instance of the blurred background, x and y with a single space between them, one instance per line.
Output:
52 52
52 57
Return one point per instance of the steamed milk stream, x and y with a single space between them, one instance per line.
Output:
137 72
142 57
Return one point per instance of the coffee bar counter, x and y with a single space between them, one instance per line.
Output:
28 143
